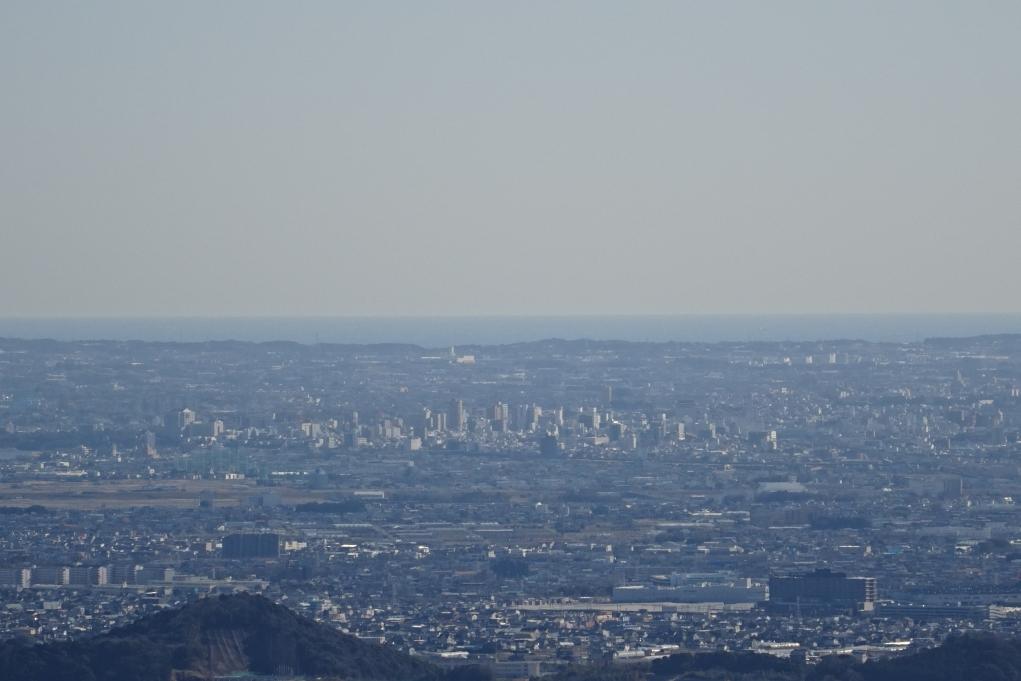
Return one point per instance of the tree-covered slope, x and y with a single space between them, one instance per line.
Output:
213 636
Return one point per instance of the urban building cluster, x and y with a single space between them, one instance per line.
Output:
525 505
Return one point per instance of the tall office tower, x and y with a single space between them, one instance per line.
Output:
101 575
823 587
660 428
422 421
251 545
616 431
121 574
953 488
80 575
500 412
533 416
520 420
149 443
458 418
608 395
590 418
19 577
185 418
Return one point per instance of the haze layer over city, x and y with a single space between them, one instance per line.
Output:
449 341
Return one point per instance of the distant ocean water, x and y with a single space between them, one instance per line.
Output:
436 332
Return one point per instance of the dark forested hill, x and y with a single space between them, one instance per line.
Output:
213 636
243 633
972 657
961 658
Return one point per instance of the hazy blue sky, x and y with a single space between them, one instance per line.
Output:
253 158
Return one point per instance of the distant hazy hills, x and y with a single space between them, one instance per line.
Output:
231 634
212 637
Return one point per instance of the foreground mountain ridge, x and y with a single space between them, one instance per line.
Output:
213 637
220 636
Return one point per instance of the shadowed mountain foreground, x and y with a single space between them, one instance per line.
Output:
244 634
214 637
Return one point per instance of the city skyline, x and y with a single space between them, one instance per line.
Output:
517 510
484 341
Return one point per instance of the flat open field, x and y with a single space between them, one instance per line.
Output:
94 495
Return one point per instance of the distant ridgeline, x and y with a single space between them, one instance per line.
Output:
243 634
